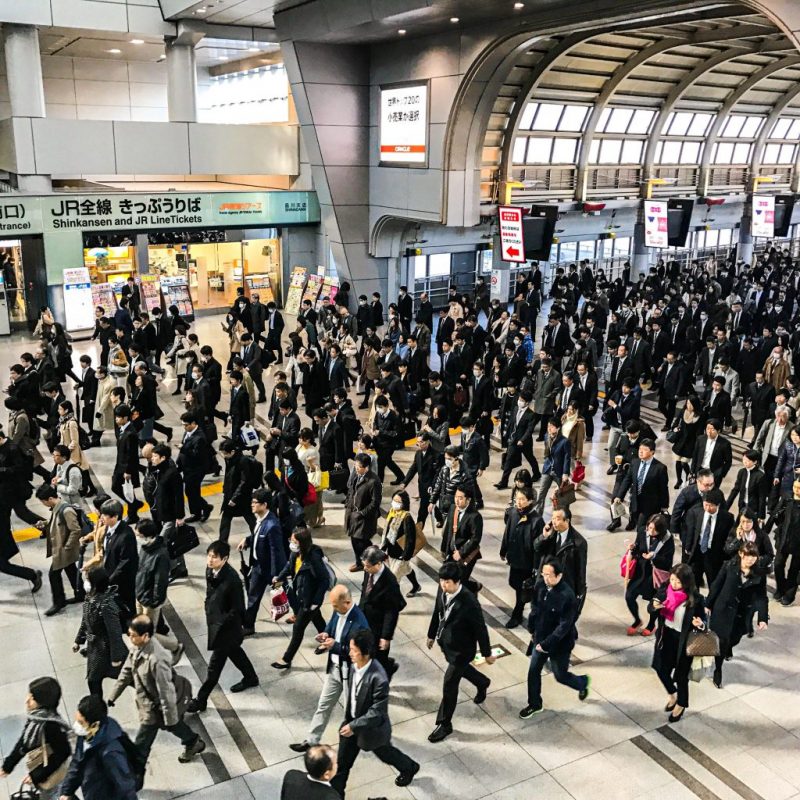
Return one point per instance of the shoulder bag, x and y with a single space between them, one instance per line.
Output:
702 643
39 757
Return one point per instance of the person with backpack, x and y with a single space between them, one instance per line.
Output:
100 631
308 578
106 763
63 532
243 475
76 439
162 695
24 431
44 726
68 479
224 607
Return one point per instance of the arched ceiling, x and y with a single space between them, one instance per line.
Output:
720 62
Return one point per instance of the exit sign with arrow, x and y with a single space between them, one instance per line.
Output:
511 243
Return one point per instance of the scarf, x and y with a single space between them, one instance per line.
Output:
394 520
673 601
34 725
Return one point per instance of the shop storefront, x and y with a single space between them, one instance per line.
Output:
202 245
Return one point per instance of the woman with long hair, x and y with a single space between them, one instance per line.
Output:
69 436
307 578
679 608
653 552
308 455
400 527
739 591
686 426
573 428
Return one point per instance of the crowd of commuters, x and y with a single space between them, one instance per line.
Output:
714 349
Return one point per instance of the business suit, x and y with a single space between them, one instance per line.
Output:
672 385
520 443
86 395
121 561
338 376
382 601
458 625
274 326
337 669
194 461
239 411
557 457
710 562
367 714
463 534
288 426
653 494
588 385
127 463
620 369
720 461
362 509
298 786
571 549
251 355
718 406
753 485
331 447
426 467
267 559
212 372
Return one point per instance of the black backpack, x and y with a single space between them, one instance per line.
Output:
135 761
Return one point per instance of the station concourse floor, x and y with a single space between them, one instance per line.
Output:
740 741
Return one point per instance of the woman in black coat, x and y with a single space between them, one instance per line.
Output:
748 530
738 592
680 608
308 580
295 477
654 550
100 631
687 426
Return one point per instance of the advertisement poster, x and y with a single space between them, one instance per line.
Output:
330 286
295 293
103 295
763 216
656 225
150 288
312 288
176 293
78 300
512 247
262 285
404 124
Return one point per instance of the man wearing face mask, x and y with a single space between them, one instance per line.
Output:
386 437
520 440
776 368
425 466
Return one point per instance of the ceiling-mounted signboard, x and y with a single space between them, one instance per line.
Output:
404 125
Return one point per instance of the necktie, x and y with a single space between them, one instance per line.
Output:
640 476
706 537
370 584
635 345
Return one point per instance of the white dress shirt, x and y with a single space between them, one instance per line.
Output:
709 451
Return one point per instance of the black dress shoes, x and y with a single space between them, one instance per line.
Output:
440 733
299 747
404 778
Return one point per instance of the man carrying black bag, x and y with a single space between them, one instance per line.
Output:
168 507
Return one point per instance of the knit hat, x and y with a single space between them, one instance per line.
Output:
46 692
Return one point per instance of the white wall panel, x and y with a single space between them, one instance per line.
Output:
99 93
59 90
58 111
110 113
80 147
57 67
148 94
135 151
99 69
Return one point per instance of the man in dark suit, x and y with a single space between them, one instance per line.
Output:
86 396
639 349
381 601
451 367
707 526
688 497
120 557
672 378
126 467
570 393
716 401
274 328
648 483
225 609
417 359
405 308
167 508
751 486
315 783
425 466
586 381
387 437
713 452
194 461
557 458
240 404
556 339
458 625
338 376
362 508
237 487
251 356
760 395
212 372
462 534
553 636
330 442
482 400
342 413
559 539
520 439
315 382
621 368
284 433
366 716
444 331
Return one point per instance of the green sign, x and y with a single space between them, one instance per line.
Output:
134 211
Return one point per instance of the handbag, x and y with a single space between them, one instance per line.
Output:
279 606
249 435
702 643
627 566
127 491
25 792
419 541
564 495
184 538
310 496
672 436
579 473
39 757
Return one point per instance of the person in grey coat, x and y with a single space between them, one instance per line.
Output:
162 695
546 385
362 508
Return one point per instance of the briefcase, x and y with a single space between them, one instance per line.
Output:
337 480
183 539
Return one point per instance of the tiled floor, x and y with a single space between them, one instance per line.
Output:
740 741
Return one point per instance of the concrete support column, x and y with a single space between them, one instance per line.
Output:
181 82
745 248
641 254
24 70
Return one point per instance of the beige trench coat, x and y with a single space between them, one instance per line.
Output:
69 437
63 536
